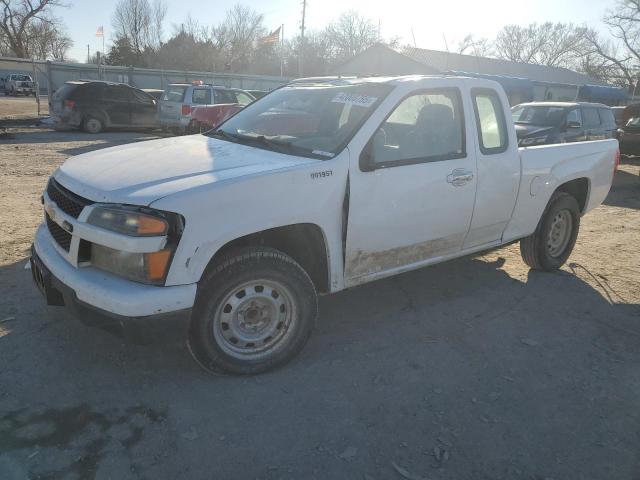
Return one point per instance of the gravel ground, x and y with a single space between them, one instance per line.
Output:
22 107
475 369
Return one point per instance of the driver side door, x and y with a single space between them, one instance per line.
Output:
412 198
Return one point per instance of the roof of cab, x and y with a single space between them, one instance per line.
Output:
563 104
394 80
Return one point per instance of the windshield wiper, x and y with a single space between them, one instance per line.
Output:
221 133
282 146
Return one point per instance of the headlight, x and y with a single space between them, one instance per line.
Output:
149 268
128 221
139 267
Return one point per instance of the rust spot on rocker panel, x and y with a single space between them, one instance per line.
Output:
362 263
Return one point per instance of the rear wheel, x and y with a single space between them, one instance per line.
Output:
254 311
92 124
549 247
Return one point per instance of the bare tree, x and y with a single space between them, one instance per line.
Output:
47 40
479 47
15 18
608 61
551 44
351 34
140 22
238 34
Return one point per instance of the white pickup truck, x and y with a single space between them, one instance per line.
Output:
319 186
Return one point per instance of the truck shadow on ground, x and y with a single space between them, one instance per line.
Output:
441 336
625 191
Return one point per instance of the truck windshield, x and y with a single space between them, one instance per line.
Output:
314 120
540 115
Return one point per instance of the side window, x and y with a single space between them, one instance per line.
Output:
574 117
243 98
115 94
225 96
141 97
607 119
425 127
201 96
591 117
492 128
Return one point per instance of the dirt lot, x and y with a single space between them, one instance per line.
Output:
475 369
22 107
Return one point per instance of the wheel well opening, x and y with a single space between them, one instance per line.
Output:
303 242
579 189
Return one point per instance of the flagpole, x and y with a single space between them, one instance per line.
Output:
282 50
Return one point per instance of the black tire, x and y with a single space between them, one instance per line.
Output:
92 124
239 271
536 249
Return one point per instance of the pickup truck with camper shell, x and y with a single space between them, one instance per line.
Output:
322 185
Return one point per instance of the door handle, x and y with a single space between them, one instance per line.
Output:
459 177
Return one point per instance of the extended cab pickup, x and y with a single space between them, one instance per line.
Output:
321 185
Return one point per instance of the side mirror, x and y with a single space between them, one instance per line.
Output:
574 124
366 158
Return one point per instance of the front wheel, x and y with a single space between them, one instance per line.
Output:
254 311
549 247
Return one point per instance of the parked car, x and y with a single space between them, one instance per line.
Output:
95 106
206 117
154 92
19 83
629 137
180 98
543 123
317 187
257 93
619 115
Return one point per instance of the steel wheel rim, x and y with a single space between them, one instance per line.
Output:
93 125
559 233
254 319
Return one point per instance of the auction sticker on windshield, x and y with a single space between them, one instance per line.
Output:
352 99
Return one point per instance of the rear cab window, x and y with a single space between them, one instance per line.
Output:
174 93
490 121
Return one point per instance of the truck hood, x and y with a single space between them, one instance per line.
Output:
140 173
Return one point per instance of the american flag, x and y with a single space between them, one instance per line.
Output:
272 38
100 31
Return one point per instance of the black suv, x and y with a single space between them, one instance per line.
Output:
96 105
543 123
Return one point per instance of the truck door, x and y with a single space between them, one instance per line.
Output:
411 198
498 163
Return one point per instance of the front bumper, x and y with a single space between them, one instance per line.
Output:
106 293
138 330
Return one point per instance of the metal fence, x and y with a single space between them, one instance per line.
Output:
51 75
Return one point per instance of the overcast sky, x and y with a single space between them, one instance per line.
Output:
431 21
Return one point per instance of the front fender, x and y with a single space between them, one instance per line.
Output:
219 213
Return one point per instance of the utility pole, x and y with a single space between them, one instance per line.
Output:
301 53
88 55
